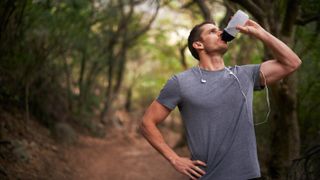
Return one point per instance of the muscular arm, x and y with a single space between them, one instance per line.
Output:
285 60
155 114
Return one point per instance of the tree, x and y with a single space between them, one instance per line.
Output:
281 18
125 37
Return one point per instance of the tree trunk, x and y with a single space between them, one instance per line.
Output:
128 102
82 92
285 140
68 81
107 100
285 133
183 56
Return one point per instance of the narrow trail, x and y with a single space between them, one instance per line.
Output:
118 159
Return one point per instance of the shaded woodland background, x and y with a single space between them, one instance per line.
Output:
75 72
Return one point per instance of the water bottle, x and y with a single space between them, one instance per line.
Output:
230 32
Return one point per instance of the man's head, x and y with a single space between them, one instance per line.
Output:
206 38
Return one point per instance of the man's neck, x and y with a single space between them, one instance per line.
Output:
211 63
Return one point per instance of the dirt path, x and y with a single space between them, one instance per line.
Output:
118 159
32 153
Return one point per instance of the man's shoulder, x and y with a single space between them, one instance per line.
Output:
184 73
245 68
248 65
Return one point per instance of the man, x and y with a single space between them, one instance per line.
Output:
215 103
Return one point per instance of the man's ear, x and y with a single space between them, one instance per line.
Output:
197 45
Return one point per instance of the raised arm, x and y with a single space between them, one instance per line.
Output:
285 62
155 114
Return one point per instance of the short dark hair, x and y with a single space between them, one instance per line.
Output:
195 36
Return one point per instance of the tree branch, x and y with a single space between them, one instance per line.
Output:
187 5
253 8
204 9
183 56
147 27
230 10
260 3
304 21
290 17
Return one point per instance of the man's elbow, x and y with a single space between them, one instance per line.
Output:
143 126
295 64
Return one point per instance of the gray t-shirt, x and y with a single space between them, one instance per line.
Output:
218 121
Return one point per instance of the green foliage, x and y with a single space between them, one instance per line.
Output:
308 88
55 63
56 59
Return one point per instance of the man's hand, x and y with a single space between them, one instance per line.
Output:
251 28
188 167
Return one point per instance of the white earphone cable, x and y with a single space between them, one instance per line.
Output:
268 101
267 95
245 97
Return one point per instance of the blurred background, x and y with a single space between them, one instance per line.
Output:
77 75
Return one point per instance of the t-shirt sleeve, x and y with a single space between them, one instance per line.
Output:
254 72
170 94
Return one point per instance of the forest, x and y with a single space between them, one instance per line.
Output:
76 77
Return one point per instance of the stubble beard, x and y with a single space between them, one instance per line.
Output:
219 50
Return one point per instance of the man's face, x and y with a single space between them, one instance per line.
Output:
211 39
